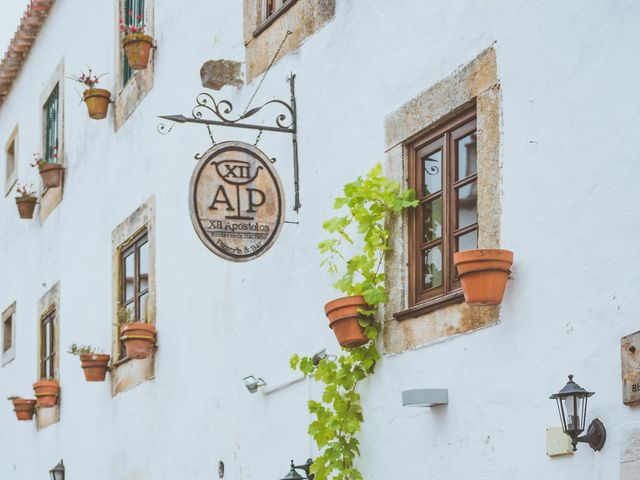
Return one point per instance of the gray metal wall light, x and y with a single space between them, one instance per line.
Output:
572 407
425 397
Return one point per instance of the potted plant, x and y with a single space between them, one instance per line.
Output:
26 201
96 99
47 391
137 45
338 413
483 274
368 200
50 172
23 407
139 337
93 361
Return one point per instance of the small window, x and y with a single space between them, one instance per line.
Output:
8 334
134 279
132 9
51 126
11 161
443 171
271 9
48 345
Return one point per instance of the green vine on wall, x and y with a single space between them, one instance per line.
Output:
338 416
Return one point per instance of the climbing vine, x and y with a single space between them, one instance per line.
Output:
338 416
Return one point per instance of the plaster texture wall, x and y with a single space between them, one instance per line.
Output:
570 105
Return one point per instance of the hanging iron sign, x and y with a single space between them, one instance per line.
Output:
236 201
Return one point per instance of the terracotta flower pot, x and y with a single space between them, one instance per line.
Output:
343 318
483 274
139 338
24 408
97 100
51 174
95 366
26 206
137 47
47 393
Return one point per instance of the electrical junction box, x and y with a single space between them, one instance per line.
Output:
558 442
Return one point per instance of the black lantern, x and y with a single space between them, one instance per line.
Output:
57 472
572 407
294 475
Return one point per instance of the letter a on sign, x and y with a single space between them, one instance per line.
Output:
236 201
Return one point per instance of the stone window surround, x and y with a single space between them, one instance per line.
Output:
128 372
50 301
262 38
127 97
404 328
11 179
10 354
51 197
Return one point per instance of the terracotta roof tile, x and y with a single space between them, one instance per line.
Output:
32 20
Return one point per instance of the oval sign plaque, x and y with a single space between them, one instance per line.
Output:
236 201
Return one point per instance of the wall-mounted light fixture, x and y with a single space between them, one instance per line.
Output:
57 472
572 407
425 397
294 475
252 383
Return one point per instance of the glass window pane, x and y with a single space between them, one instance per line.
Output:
432 219
129 272
143 253
467 156
144 314
432 267
432 165
467 204
468 241
7 333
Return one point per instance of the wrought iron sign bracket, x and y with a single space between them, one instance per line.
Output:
222 112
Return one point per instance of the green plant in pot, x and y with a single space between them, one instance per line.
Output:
366 202
139 338
93 360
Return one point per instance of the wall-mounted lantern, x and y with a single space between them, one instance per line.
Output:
425 397
57 472
572 407
294 475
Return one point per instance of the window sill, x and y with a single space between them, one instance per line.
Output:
269 21
429 306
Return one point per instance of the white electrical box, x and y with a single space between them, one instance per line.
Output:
558 442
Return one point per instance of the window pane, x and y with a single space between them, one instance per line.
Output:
467 205
144 314
143 253
468 241
11 165
6 333
129 272
432 165
433 219
432 265
467 156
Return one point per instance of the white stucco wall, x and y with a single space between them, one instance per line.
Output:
569 78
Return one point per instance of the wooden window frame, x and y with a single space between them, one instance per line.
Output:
8 353
132 247
48 351
51 145
445 136
270 11
11 177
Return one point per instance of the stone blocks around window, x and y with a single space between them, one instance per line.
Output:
476 82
